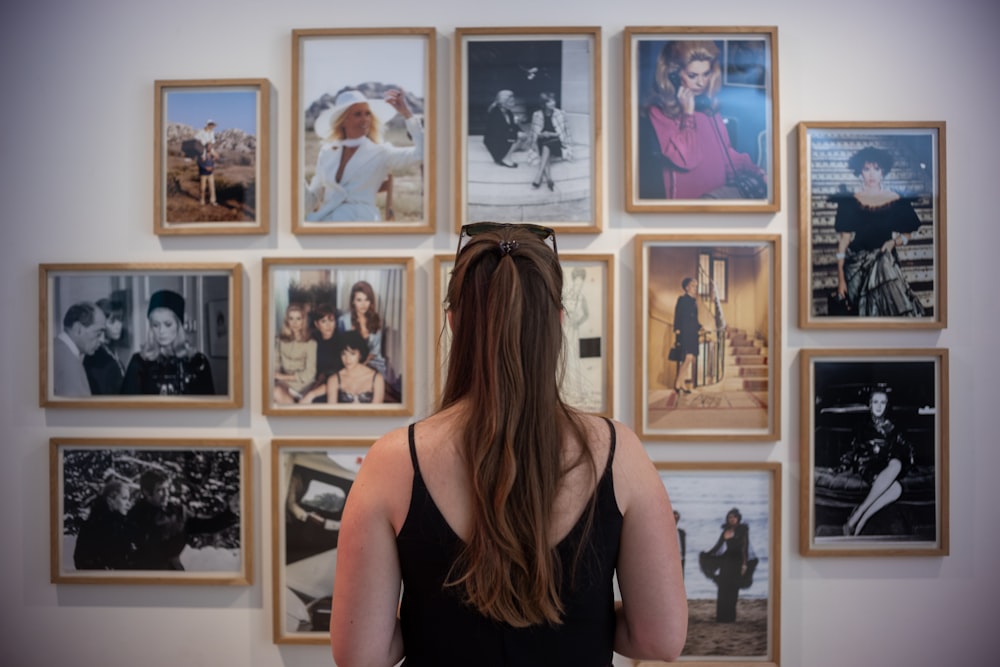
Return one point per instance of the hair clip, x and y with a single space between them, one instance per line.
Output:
506 247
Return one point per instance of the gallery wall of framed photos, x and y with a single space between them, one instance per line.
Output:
182 176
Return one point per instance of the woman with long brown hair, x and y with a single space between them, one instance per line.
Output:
505 515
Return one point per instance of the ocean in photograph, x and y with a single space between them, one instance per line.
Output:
703 498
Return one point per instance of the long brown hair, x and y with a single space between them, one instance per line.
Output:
373 321
504 362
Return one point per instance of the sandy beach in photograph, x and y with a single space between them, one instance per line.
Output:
747 637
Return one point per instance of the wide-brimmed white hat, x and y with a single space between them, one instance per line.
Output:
347 98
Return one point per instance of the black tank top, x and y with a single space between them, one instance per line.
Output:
440 630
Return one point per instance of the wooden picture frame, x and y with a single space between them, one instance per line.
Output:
740 64
557 182
734 618
318 287
900 211
151 511
83 364
212 157
588 326
731 388
310 480
390 188
874 452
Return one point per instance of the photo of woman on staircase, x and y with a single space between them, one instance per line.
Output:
708 356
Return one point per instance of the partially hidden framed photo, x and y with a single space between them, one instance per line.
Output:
874 441
140 335
708 337
701 120
338 336
528 133
151 511
872 225
310 482
212 157
363 124
729 521
588 329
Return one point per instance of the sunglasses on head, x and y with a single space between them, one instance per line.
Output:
546 234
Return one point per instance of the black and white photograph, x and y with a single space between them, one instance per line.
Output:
340 336
133 335
527 142
728 519
701 119
363 130
141 511
310 482
872 224
874 452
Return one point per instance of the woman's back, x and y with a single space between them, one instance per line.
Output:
440 629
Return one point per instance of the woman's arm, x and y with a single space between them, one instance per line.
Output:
677 139
364 627
651 622
843 240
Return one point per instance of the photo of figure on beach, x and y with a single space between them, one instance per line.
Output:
340 336
212 156
728 528
872 221
310 482
708 336
363 131
874 452
150 511
529 104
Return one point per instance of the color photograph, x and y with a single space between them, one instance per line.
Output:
212 157
363 125
872 222
528 145
701 119
708 337
340 335
728 528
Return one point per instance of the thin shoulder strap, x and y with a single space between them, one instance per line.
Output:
413 451
614 441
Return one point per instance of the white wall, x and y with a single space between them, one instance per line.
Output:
76 145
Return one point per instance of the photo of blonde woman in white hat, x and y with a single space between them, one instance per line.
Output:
354 162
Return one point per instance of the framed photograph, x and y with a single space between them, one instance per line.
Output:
140 335
588 328
339 336
212 157
151 511
708 337
729 521
310 481
363 124
874 439
528 136
701 120
872 226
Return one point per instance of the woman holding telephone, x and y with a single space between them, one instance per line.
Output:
683 109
